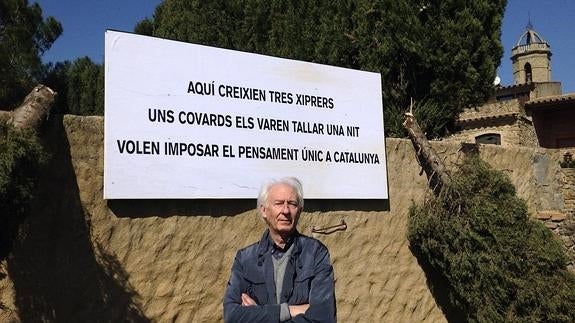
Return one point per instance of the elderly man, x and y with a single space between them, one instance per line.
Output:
286 276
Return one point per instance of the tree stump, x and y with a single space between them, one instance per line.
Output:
34 109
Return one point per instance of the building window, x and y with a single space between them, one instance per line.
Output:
505 97
528 73
489 138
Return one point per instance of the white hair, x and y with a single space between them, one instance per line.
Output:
292 182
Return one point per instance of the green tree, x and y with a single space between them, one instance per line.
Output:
465 50
145 27
80 86
85 87
57 79
210 23
443 54
24 36
499 265
21 158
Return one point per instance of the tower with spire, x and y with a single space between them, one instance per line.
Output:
531 112
531 58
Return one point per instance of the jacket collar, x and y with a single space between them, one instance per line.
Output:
266 244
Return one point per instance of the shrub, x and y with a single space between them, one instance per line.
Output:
21 156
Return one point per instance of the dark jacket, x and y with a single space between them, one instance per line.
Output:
308 280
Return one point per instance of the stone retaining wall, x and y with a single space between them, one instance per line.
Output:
82 258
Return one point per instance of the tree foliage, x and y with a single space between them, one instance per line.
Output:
21 156
443 54
80 86
85 90
499 264
24 36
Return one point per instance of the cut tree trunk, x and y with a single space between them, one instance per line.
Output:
34 109
432 165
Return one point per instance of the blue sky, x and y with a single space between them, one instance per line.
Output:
85 22
554 20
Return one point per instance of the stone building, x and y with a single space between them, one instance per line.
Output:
532 112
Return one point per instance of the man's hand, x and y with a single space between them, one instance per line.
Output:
294 310
298 309
248 301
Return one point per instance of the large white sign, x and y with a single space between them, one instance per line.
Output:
191 121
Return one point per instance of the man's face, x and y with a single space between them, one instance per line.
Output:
281 210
